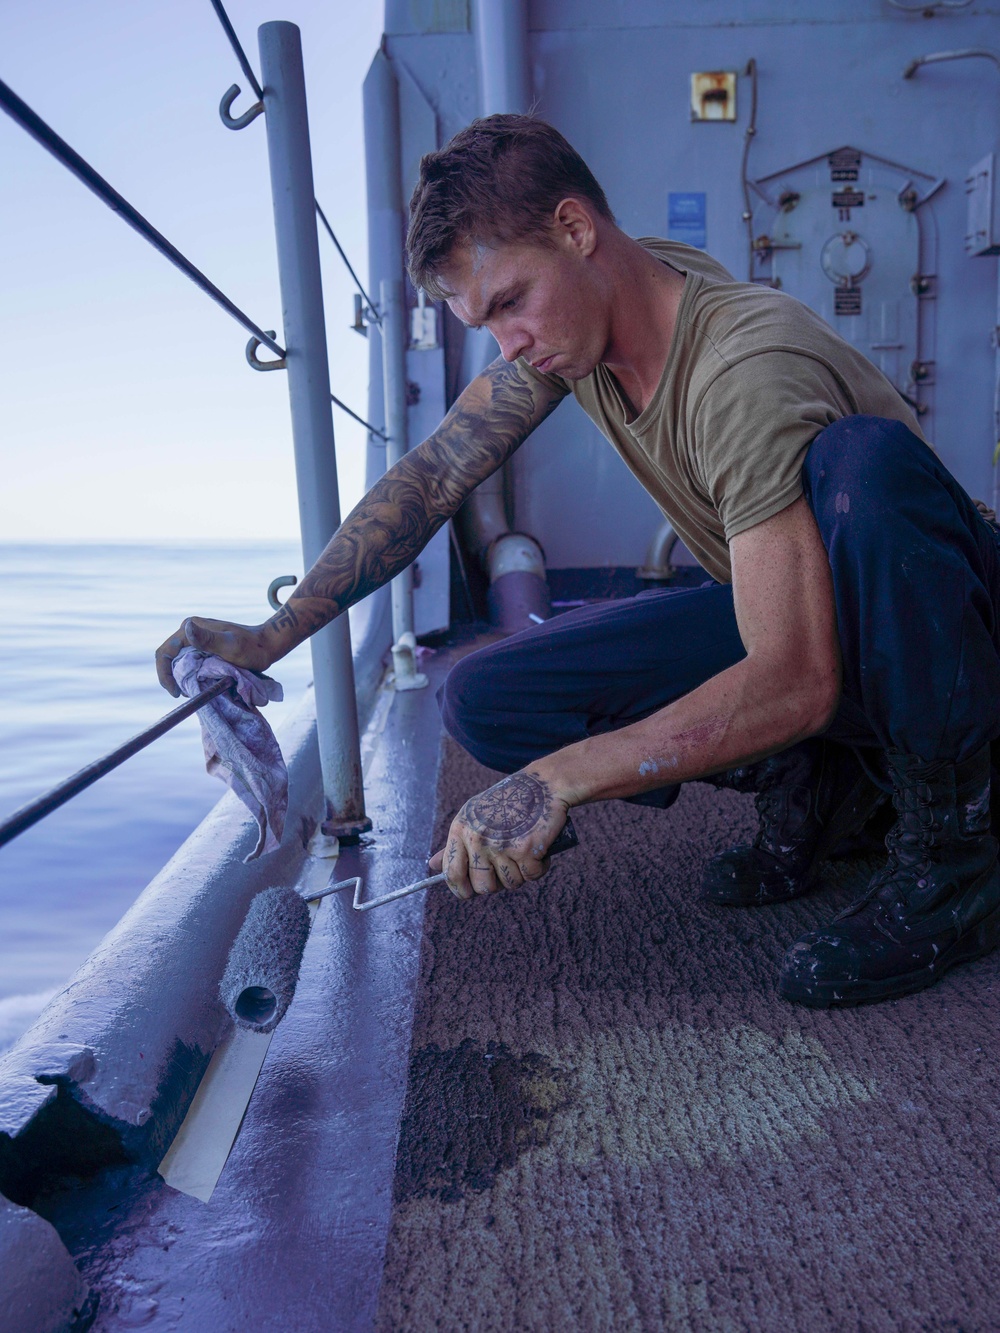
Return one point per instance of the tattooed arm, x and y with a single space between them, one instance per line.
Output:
786 688
391 525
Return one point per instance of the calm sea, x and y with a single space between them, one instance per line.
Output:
80 625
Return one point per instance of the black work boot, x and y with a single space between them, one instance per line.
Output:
809 799
936 902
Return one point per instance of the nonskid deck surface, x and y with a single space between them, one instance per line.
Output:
609 1120
613 1122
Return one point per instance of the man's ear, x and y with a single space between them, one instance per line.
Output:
575 225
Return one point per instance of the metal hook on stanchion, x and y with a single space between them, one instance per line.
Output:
282 581
237 122
252 360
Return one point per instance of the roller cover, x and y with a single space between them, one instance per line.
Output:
259 981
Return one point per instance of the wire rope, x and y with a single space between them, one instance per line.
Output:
240 54
19 111
350 268
360 420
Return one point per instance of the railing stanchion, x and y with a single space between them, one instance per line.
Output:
312 422
392 305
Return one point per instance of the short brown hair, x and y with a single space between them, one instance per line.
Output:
498 180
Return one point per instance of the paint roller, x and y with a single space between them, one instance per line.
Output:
263 968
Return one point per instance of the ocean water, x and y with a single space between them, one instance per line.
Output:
80 625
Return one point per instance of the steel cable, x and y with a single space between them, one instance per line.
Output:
234 42
372 308
44 805
19 111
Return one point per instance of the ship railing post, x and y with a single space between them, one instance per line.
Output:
311 410
392 307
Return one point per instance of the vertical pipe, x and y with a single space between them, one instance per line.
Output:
519 594
386 230
501 28
312 420
393 313
392 307
996 402
386 223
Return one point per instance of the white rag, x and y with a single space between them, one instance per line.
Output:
240 747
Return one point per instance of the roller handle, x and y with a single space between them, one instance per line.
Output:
567 838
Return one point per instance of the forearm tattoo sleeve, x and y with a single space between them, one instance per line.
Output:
404 509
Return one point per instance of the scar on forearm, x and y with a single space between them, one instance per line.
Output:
693 738
702 733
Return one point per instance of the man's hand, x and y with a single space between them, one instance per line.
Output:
500 838
243 645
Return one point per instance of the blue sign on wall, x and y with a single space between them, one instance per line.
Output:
686 219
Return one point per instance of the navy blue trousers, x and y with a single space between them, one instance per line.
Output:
916 577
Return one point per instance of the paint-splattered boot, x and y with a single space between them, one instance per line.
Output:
810 798
936 902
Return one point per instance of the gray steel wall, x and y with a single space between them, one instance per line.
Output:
614 76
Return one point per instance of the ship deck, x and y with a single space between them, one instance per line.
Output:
579 1105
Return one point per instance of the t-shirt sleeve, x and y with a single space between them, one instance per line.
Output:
752 428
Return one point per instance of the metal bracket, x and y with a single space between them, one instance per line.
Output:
404 663
237 122
348 831
922 372
364 315
252 360
282 581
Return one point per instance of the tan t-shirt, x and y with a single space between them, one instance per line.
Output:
751 378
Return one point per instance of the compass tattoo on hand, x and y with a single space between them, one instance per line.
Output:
509 810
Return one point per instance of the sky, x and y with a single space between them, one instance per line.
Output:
127 409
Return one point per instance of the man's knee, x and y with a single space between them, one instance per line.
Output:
850 467
468 700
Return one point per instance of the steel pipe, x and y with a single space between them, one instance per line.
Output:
51 800
392 303
386 223
501 30
658 564
312 422
393 308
